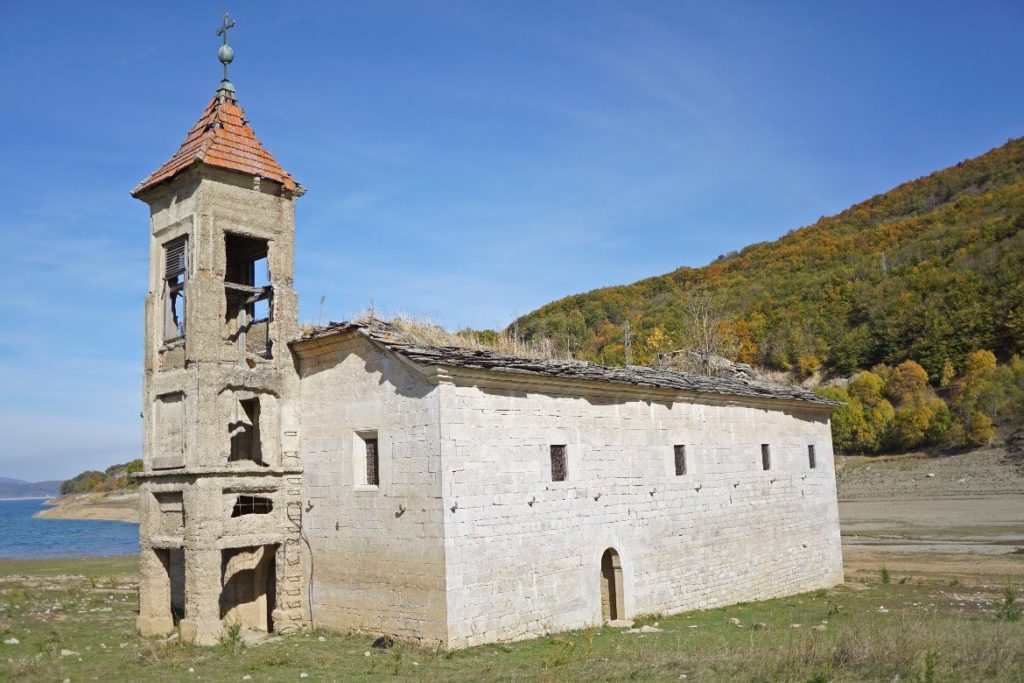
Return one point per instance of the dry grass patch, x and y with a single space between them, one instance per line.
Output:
421 331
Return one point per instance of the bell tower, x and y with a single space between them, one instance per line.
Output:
220 491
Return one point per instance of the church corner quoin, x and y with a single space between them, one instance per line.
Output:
346 479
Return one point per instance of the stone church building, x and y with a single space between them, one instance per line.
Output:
345 478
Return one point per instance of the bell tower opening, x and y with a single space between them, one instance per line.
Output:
175 275
248 293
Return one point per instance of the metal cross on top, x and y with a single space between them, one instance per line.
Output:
225 53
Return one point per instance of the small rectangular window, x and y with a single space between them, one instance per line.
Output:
812 459
766 457
372 461
559 467
175 275
680 460
251 505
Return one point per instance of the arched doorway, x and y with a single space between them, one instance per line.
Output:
612 602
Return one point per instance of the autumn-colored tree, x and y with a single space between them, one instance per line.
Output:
657 342
920 423
976 400
807 364
883 371
978 364
866 389
948 374
847 420
907 383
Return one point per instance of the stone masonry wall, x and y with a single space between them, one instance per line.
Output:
523 553
376 551
192 387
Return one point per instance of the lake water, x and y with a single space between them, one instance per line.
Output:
22 536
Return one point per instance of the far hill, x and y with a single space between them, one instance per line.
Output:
930 270
16 488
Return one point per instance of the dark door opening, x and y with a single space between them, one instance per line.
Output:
249 587
612 603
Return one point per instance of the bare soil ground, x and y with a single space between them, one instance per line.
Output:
965 522
981 472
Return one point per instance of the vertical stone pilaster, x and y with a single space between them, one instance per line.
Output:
155 616
202 624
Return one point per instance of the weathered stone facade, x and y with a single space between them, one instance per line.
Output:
220 510
377 551
346 480
523 553
466 511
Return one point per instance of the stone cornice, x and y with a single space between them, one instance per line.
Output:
197 472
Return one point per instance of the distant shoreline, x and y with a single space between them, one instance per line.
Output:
113 507
28 498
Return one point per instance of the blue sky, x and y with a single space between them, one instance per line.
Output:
467 161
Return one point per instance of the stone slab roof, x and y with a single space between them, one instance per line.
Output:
223 138
482 359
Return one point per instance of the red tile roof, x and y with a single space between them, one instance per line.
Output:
222 138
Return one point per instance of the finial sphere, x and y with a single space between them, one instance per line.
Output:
225 54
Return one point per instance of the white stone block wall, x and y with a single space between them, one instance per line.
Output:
523 553
467 540
377 552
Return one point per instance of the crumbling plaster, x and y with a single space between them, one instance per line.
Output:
212 374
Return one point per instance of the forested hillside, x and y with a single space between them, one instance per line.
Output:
114 478
930 271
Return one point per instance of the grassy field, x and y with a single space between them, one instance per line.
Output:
74 619
950 543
